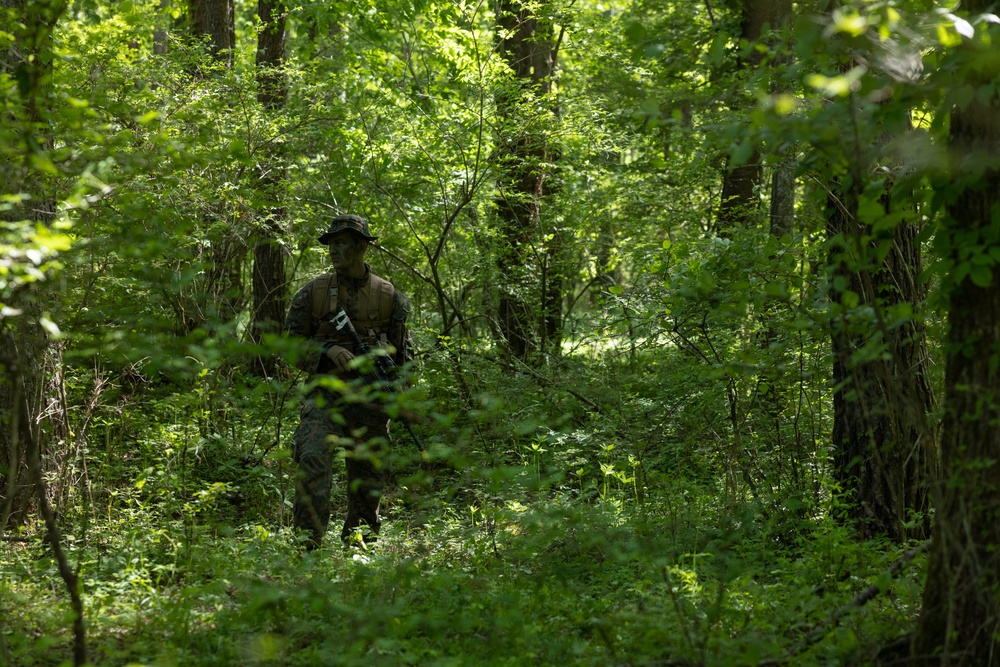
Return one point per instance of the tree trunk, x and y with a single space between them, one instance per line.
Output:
553 291
526 43
24 344
738 185
960 621
160 33
22 340
881 393
269 283
739 181
272 88
782 200
214 21
219 296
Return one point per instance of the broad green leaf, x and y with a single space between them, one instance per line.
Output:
742 152
981 276
41 162
717 52
654 50
784 104
947 38
848 20
148 117
837 86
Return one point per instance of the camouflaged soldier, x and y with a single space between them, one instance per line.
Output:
330 421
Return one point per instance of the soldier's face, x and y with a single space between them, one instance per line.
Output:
347 249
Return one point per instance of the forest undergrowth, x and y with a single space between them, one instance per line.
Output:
531 531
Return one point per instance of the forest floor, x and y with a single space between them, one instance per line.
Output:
554 578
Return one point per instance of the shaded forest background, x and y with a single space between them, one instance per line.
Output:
705 309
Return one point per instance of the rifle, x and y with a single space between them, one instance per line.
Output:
385 370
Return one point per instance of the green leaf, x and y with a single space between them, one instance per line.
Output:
946 37
981 276
23 80
717 53
635 32
776 289
871 211
654 50
903 311
784 104
985 93
962 96
41 162
742 152
850 21
837 86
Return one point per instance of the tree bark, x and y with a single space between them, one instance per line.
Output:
26 342
738 185
269 283
782 200
526 43
21 337
219 296
960 620
554 290
882 441
740 181
214 20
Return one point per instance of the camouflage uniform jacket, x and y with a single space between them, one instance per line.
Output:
377 310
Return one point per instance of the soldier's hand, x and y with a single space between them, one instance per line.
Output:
340 357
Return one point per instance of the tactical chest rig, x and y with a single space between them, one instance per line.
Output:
373 316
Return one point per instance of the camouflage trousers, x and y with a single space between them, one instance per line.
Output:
363 437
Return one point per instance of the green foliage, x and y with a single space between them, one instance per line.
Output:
556 581
656 490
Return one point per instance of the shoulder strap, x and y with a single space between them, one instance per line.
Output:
324 295
380 299
386 301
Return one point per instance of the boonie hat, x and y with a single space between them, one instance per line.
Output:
355 223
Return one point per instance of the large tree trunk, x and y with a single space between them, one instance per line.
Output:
214 20
960 621
783 200
881 393
219 294
526 43
269 283
22 340
740 181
